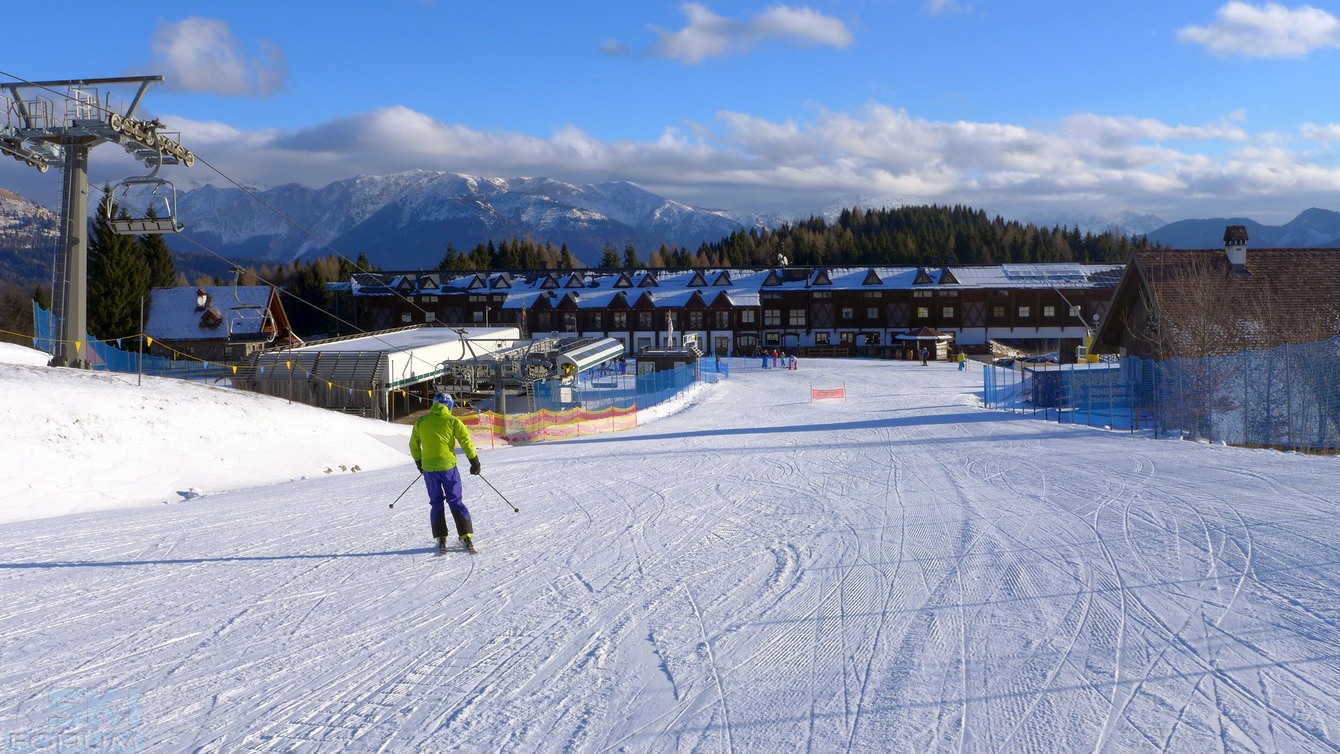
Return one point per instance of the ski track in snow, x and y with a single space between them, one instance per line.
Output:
899 571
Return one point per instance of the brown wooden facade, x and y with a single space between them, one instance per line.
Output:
735 312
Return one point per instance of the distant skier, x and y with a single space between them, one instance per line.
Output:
925 355
432 444
962 361
792 364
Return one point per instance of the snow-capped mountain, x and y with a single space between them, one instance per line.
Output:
405 220
1312 228
29 234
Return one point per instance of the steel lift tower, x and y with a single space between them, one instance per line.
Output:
34 133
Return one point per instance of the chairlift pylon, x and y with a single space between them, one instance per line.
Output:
160 192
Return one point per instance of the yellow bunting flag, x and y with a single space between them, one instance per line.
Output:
149 340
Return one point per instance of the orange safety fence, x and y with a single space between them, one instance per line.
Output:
488 429
837 392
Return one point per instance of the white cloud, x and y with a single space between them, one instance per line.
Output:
1268 31
201 55
708 35
939 7
1316 132
1086 163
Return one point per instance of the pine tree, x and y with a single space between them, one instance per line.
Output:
158 257
118 277
565 260
609 257
630 259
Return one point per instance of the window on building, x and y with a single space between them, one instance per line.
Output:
772 317
948 294
721 345
872 294
821 339
406 318
846 338
821 294
569 322
872 339
644 320
872 312
597 320
429 316
947 312
772 339
1023 311
723 320
797 317
923 312
748 317
998 312
695 320
848 312
922 294
1049 311
620 320
430 299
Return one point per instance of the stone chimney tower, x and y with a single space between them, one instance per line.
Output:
1235 247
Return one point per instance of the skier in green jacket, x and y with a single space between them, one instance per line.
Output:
432 444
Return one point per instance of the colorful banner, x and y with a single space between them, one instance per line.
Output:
840 392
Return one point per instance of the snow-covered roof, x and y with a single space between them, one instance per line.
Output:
594 289
175 313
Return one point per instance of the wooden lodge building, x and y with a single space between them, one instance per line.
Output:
865 311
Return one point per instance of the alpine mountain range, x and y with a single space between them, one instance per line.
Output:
405 220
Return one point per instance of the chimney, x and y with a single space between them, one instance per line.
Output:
1235 247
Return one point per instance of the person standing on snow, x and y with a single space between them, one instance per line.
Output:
432 444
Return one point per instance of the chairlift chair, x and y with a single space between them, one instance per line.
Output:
160 192
241 312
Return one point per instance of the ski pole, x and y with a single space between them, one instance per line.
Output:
495 489
411 484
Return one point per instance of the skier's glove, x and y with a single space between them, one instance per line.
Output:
474 465
418 465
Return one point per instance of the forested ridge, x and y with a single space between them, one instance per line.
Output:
921 235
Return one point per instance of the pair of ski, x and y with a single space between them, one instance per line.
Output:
468 546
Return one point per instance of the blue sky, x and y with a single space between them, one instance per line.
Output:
1028 109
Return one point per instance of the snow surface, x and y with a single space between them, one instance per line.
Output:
756 572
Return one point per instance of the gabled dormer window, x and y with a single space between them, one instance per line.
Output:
872 278
549 282
624 281
503 280
773 279
947 277
649 281
923 277
723 279
821 278
476 283
697 281
575 281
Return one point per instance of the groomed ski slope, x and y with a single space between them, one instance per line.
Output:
897 571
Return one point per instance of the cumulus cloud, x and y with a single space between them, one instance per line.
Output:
1085 164
708 35
201 55
1268 31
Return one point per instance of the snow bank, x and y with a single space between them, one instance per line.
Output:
74 440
